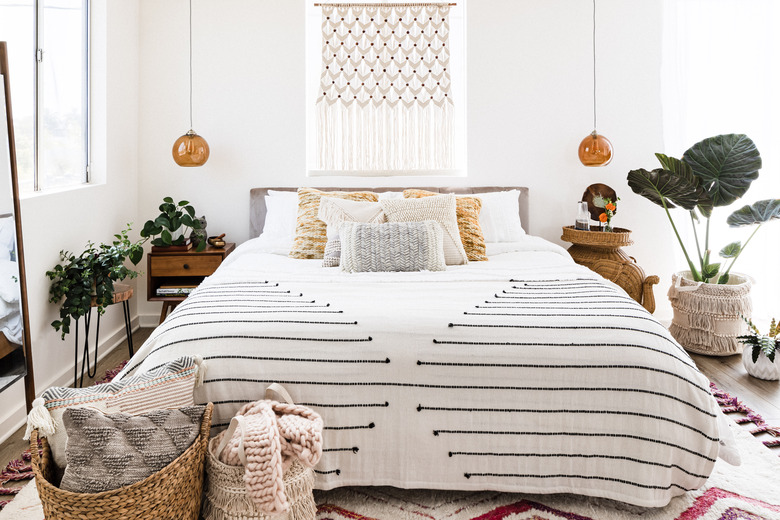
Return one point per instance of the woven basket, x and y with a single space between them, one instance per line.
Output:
618 237
173 493
707 317
225 496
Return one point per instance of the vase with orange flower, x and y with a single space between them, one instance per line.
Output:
610 208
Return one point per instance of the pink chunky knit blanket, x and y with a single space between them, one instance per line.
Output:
274 434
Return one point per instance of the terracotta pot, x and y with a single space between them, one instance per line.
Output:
708 317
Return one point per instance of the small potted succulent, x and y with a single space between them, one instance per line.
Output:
759 355
89 277
172 224
714 172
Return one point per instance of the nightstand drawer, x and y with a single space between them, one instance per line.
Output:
185 265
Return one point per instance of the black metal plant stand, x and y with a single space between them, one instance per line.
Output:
90 363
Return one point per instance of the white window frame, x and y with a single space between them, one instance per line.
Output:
457 45
40 57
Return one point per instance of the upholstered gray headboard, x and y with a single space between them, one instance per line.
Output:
257 207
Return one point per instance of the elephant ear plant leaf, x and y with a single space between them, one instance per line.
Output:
726 165
712 173
756 214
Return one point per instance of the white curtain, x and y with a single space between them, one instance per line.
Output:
721 74
385 101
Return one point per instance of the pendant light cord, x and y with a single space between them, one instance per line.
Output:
594 65
191 64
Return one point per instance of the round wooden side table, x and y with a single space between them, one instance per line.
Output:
601 252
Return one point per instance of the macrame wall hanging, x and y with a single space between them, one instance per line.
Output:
385 102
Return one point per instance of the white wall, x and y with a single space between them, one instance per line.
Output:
68 219
529 105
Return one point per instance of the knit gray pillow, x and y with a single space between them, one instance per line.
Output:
392 246
108 451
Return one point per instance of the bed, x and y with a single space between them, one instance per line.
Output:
526 373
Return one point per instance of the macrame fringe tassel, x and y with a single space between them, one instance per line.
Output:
201 371
39 418
383 137
705 342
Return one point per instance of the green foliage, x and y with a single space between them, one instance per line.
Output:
768 344
92 273
173 219
714 172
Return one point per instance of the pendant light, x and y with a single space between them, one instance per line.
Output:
595 149
190 149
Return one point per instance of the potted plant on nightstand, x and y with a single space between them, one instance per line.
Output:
89 276
172 224
709 298
760 354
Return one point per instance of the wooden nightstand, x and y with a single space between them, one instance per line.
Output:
180 268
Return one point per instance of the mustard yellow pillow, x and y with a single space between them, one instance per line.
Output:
311 232
467 211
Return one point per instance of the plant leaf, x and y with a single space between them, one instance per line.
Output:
684 170
724 278
660 184
726 165
710 270
168 200
166 237
756 352
731 250
760 212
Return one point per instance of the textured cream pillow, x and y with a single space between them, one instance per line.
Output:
467 210
335 211
440 209
310 231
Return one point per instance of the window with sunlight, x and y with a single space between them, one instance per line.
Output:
49 89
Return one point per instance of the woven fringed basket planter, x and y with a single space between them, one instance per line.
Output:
226 498
173 493
707 317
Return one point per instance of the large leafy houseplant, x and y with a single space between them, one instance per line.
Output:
714 172
80 278
172 224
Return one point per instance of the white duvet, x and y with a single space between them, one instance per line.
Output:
525 373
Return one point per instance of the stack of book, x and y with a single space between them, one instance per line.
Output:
175 290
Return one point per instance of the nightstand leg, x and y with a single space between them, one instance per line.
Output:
166 308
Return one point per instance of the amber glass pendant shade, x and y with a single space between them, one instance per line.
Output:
190 150
595 150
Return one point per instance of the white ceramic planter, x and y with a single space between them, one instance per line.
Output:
708 317
762 368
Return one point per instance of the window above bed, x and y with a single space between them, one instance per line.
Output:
385 89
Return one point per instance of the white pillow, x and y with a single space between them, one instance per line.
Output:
391 195
439 208
280 218
334 212
500 216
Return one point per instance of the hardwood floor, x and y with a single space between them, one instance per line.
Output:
726 372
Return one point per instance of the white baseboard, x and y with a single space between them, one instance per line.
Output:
16 416
149 320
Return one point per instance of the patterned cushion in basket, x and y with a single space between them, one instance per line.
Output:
108 451
170 386
310 231
467 210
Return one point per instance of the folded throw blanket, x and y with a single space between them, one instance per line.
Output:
272 434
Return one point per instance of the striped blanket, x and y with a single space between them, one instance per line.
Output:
525 373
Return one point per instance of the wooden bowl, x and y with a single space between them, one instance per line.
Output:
216 242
